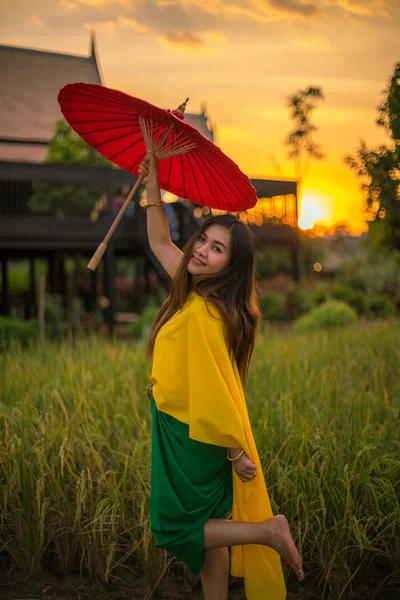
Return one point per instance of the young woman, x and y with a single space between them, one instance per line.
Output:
201 343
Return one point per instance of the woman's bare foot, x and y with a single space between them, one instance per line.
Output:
277 535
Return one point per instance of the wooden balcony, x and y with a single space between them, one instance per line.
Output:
27 234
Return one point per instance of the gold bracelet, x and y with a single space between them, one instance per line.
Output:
153 204
229 457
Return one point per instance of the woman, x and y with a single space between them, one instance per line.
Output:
201 342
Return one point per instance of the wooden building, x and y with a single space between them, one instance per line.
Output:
31 80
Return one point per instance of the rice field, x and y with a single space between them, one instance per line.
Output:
75 460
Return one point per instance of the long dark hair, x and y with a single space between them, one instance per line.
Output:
231 291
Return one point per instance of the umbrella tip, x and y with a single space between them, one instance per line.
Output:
182 107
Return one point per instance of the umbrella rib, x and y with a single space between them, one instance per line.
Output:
143 129
85 122
136 162
177 142
94 95
183 150
183 179
195 180
107 129
239 189
221 159
120 137
207 167
241 186
98 104
107 114
125 149
212 195
100 91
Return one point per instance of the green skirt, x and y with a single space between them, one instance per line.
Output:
190 483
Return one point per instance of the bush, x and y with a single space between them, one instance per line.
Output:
381 306
140 328
300 301
320 294
12 328
356 299
377 273
271 261
331 314
272 306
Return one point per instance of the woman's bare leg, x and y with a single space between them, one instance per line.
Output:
214 574
274 533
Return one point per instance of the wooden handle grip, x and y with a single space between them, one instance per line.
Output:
96 258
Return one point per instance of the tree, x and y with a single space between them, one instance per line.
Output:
67 147
302 147
381 167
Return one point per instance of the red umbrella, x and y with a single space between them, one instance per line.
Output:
123 129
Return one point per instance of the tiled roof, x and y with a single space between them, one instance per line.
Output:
29 84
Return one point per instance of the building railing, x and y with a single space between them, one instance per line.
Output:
23 186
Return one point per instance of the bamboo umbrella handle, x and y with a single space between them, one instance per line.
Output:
94 261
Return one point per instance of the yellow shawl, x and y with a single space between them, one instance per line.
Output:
195 381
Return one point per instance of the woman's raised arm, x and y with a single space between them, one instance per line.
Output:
160 241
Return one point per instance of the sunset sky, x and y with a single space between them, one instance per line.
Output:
243 58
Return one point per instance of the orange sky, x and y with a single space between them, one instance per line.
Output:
243 58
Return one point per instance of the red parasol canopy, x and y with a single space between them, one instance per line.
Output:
121 128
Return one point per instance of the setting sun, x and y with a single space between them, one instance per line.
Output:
314 209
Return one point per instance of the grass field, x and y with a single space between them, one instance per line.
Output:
75 458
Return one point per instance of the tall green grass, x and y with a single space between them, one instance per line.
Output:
75 454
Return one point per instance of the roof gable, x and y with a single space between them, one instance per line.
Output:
30 82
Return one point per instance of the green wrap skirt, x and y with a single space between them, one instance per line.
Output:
190 482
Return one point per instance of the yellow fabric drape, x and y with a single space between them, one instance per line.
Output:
195 381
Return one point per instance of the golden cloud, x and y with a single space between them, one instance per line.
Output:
208 41
37 21
68 5
110 27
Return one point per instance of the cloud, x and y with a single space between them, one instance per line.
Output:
68 5
224 11
110 27
37 21
295 7
100 2
314 44
208 41
371 8
130 23
356 8
187 39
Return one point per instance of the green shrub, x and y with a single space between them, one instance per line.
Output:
272 306
271 261
320 293
140 328
331 314
354 298
302 301
381 306
12 328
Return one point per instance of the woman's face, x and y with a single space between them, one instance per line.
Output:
211 252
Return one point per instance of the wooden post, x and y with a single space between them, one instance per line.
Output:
75 294
297 260
93 291
62 284
52 277
42 297
109 276
5 298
